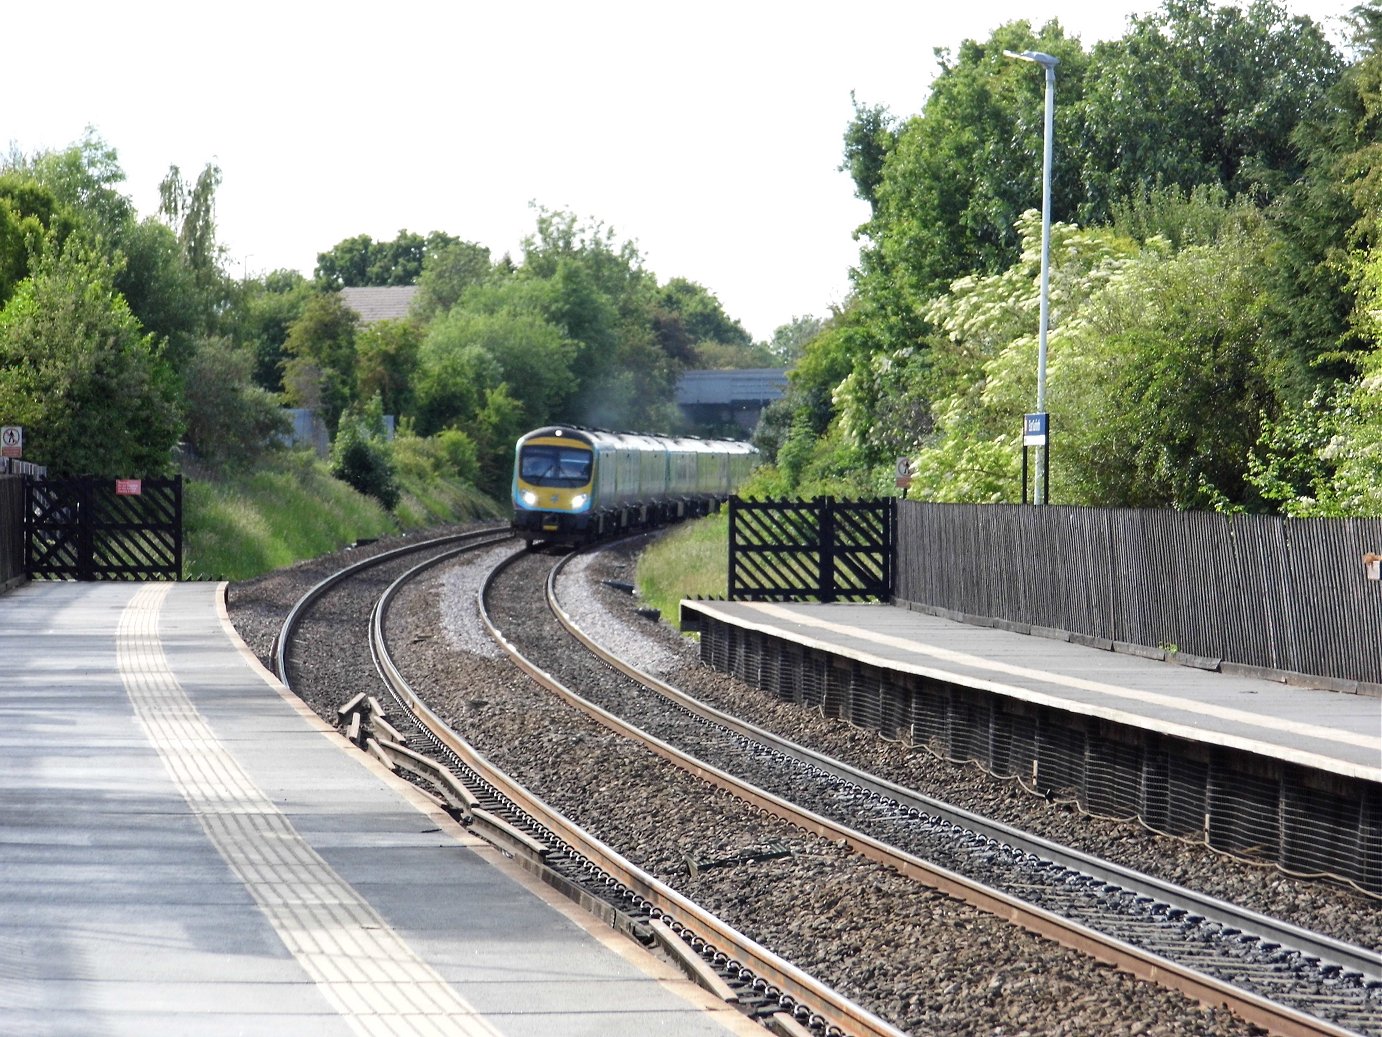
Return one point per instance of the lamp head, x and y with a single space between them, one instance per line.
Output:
1034 56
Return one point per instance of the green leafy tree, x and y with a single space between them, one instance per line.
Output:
190 210
162 290
498 425
321 371
1229 86
86 179
363 262
502 338
961 172
790 340
1164 384
266 309
1323 223
595 289
386 361
452 378
79 373
446 273
31 220
231 422
962 397
701 313
870 138
360 456
1323 455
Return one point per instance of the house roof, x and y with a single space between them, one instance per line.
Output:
375 304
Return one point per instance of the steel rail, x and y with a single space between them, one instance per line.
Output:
1273 1017
831 1008
1318 945
295 615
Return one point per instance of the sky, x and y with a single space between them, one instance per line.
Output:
708 134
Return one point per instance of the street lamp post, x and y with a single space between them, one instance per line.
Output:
1048 62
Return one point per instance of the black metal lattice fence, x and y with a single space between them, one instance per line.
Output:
103 529
822 550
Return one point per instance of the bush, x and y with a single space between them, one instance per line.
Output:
361 458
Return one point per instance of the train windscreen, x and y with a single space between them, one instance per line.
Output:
544 465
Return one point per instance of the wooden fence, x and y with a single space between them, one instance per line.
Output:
1254 591
11 530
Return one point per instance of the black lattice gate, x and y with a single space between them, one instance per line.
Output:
103 529
822 549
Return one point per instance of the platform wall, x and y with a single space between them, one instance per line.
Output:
1305 821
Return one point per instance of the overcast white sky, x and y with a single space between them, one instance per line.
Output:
709 133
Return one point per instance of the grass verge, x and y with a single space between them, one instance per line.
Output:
291 509
692 561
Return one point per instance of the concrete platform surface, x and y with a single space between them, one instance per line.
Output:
1324 730
185 849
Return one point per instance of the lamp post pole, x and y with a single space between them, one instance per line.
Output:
1049 63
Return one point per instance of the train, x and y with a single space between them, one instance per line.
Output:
573 484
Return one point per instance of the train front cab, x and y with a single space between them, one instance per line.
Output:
552 486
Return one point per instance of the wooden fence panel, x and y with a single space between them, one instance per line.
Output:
1283 594
11 528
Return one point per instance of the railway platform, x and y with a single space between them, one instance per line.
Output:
185 848
1246 764
1324 730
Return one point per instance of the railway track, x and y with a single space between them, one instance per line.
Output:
1147 913
1276 975
407 736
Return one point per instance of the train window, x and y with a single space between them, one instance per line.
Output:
554 466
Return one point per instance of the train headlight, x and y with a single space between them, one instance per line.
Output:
580 500
529 498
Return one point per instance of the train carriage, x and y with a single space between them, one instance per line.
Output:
573 484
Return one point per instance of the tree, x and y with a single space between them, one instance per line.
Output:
1229 86
959 174
446 273
1323 455
790 340
1322 222
519 348
31 219
266 309
162 290
78 372
960 396
453 376
360 455
231 422
85 179
386 361
361 261
320 373
701 313
190 210
870 138
1164 383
